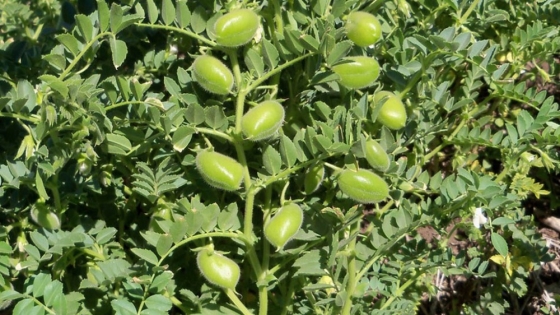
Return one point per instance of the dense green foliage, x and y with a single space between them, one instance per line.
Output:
103 111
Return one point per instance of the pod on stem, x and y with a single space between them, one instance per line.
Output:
284 225
219 170
357 72
219 270
212 74
236 28
363 28
263 120
363 186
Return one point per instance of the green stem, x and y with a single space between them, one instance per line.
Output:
502 174
379 252
235 300
20 117
215 133
312 301
116 105
238 144
240 102
249 189
81 54
248 234
291 170
149 140
293 257
412 83
385 208
266 217
351 271
437 149
276 70
263 292
465 15
278 16
274 81
48 310
201 236
178 30
56 195
179 304
373 6
403 287
333 167
93 253
288 297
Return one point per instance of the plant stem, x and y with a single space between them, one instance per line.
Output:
293 169
116 105
81 54
351 271
93 253
56 195
266 218
240 102
285 262
249 189
20 117
250 193
179 30
502 174
277 4
388 245
288 297
411 83
248 233
403 287
263 292
312 301
437 149
235 300
465 15
278 69
179 304
332 167
373 6
201 236
48 310
215 133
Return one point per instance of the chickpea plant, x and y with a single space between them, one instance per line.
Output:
274 157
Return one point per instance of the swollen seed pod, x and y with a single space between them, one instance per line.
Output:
218 269
44 217
392 113
236 28
262 121
363 28
357 72
363 186
212 74
219 170
162 213
84 164
313 178
284 225
376 156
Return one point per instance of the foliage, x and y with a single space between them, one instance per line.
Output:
101 117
